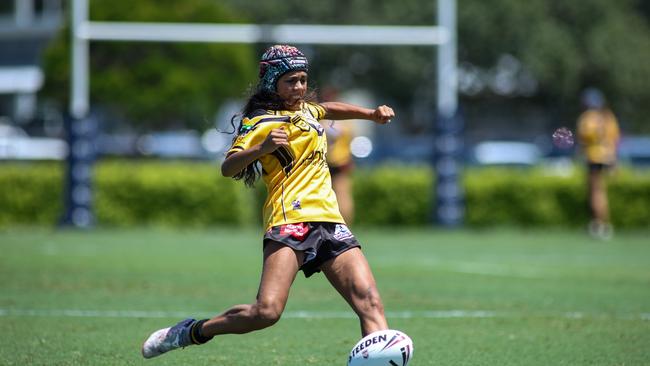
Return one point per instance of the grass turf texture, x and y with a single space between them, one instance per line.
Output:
527 297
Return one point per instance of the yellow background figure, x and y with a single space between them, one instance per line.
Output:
341 164
599 135
339 158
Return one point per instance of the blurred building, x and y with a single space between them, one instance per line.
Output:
26 26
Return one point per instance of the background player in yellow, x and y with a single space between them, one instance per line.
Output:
598 134
280 139
339 158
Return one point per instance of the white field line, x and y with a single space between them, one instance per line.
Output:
309 314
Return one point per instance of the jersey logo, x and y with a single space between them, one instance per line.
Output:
245 129
300 123
296 205
305 123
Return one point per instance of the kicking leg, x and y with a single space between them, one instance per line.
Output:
281 264
350 274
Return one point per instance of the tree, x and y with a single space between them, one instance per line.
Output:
563 47
567 46
558 47
157 85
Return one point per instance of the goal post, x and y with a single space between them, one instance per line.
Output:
79 206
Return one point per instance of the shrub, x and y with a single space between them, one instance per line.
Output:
195 194
30 193
523 198
393 195
187 194
534 198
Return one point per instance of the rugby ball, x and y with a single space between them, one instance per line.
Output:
382 348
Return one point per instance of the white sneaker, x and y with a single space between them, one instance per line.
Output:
167 339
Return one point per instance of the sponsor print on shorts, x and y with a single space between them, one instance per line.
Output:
341 232
299 231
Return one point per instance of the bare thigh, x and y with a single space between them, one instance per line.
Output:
350 274
281 263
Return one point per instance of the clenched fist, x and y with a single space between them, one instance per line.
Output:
274 140
383 114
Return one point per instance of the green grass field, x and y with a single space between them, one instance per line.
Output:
501 297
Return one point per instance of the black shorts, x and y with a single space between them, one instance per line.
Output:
339 169
597 167
321 241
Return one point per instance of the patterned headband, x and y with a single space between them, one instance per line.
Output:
277 61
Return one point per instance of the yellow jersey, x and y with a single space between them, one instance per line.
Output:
599 134
339 140
297 178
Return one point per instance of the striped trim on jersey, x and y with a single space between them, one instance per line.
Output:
285 157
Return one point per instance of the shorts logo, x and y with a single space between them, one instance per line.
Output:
309 255
298 231
341 232
296 204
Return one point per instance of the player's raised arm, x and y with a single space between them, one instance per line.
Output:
339 110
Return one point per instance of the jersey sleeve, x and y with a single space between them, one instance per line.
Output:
316 110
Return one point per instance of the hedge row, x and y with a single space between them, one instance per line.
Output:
128 194
30 194
175 194
194 194
500 197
